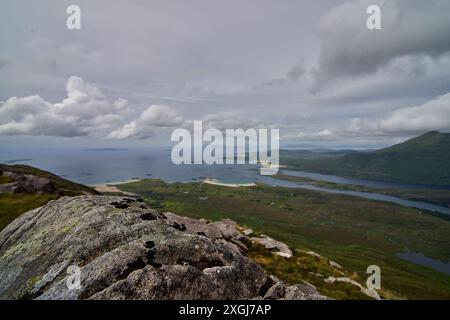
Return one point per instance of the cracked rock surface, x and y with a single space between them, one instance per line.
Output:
125 250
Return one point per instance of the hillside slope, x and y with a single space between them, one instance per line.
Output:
23 188
423 160
354 232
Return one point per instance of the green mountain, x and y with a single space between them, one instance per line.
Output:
424 159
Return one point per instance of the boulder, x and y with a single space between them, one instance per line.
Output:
303 292
123 250
277 247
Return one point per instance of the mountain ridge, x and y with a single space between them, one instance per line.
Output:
421 160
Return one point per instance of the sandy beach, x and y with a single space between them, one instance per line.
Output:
231 185
112 188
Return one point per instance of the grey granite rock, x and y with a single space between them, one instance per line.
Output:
303 292
124 251
277 247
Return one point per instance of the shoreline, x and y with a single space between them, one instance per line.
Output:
111 187
114 183
430 207
216 182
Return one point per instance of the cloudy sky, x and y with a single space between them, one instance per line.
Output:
138 69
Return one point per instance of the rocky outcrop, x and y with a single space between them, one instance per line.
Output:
24 179
125 250
276 247
26 183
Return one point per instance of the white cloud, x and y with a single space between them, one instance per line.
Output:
85 101
432 115
319 135
143 127
161 116
34 116
85 111
131 130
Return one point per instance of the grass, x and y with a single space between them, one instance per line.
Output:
13 205
305 267
352 231
6 179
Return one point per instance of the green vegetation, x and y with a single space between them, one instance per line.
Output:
13 205
439 197
423 160
309 268
292 157
352 231
6 179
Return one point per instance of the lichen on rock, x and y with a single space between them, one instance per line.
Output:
127 251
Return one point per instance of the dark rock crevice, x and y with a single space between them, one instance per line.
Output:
132 266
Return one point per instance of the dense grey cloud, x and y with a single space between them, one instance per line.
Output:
230 120
310 68
410 30
291 77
